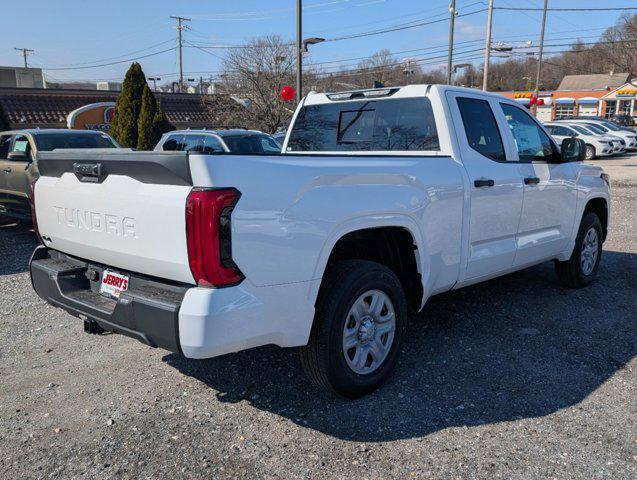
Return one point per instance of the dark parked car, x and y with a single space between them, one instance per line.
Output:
18 168
624 120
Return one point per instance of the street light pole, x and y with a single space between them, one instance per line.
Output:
487 48
154 80
299 51
539 61
452 17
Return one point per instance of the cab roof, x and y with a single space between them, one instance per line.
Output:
406 91
221 133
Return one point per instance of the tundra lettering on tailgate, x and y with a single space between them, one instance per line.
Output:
96 221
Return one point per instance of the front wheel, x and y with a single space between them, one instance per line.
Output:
580 270
590 152
358 327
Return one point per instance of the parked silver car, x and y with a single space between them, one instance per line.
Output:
218 141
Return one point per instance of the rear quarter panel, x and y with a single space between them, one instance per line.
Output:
294 208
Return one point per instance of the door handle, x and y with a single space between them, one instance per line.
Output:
531 180
483 183
7 170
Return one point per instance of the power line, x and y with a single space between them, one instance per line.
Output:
189 44
112 58
398 28
594 9
112 63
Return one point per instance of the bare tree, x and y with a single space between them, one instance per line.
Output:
257 73
619 44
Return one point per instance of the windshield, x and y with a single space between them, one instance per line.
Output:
50 141
251 143
579 129
596 129
610 126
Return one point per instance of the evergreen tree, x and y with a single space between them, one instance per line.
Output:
128 107
145 125
4 119
161 124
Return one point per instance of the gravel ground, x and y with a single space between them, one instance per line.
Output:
515 378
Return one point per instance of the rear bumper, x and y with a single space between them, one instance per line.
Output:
194 321
148 311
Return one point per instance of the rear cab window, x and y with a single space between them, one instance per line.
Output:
399 124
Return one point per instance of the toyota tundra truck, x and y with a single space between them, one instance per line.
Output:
379 200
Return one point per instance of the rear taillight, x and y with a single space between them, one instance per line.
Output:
208 231
34 219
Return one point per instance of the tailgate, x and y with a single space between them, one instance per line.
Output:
122 209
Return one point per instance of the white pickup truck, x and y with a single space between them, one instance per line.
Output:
380 199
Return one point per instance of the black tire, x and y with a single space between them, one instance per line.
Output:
323 358
5 220
570 273
590 152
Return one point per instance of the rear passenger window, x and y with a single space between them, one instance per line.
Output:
365 125
481 128
174 143
193 143
212 145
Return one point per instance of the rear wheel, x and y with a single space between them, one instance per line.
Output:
590 152
5 220
581 269
358 328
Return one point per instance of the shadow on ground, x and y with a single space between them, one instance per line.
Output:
17 242
515 347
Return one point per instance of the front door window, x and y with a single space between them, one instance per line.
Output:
21 144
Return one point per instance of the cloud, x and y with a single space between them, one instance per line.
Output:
469 31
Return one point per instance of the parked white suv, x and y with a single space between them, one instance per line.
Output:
381 199
609 128
619 145
596 145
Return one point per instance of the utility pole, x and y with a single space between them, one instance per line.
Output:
487 48
25 53
180 28
539 60
452 17
299 51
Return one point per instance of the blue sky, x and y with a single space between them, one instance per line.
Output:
78 33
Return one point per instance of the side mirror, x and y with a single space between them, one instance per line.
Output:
573 150
18 156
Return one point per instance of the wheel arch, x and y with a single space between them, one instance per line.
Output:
598 206
405 254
